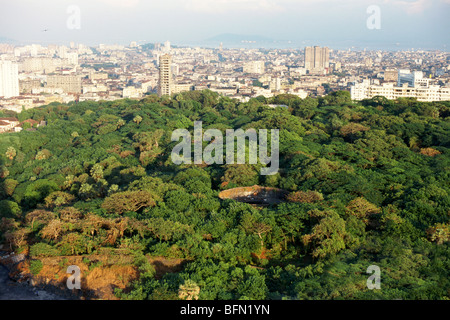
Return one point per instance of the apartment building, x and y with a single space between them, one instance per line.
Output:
165 85
412 79
254 67
317 58
9 79
366 90
69 83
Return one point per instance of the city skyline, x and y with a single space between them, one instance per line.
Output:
337 24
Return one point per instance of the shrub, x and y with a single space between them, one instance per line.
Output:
305 196
36 266
43 250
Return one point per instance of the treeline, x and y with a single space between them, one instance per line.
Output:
368 184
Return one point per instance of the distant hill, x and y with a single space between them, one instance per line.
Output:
151 46
7 40
230 37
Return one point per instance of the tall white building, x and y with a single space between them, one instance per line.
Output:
413 79
9 79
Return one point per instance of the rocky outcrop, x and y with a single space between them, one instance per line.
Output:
255 195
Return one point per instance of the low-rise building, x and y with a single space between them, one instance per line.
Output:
8 124
366 90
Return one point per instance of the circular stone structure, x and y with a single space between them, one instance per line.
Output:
255 195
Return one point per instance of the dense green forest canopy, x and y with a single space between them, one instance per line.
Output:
368 184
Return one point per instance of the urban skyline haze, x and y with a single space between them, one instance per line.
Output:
289 23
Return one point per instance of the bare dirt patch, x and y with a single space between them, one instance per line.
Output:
100 276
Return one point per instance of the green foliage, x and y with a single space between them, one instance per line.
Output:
128 201
367 184
10 209
8 186
36 266
37 191
43 250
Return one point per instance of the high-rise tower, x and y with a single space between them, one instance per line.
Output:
317 58
309 58
165 75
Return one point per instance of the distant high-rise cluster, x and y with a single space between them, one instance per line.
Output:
9 79
165 85
317 58
63 74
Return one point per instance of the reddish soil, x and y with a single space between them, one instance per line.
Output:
100 275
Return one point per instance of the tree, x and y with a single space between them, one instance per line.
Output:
17 238
260 228
362 209
38 191
91 224
121 123
305 196
352 128
165 230
8 186
70 214
58 199
39 216
10 209
430 152
336 98
72 244
251 224
128 201
11 153
97 172
254 288
53 230
328 237
43 154
4 172
439 233
86 191
242 175
138 119
189 290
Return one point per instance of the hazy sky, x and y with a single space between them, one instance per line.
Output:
413 23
